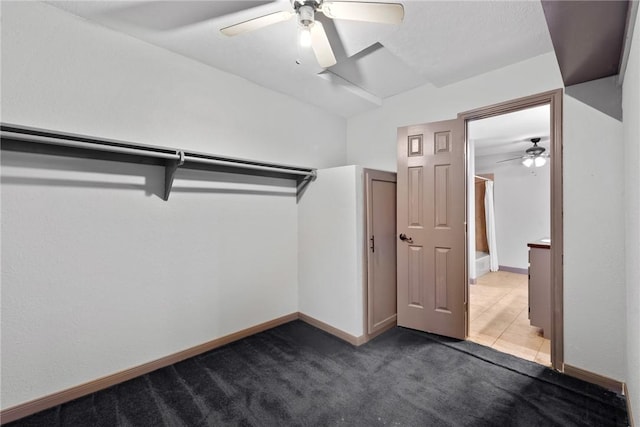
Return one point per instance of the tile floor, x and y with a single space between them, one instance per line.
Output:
498 313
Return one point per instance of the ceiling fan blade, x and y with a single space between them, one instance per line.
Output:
321 46
256 23
384 13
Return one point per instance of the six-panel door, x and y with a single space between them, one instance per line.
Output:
431 216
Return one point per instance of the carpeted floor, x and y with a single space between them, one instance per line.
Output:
296 375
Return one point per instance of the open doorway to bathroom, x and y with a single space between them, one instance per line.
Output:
509 226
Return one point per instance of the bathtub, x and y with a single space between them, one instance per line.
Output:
483 263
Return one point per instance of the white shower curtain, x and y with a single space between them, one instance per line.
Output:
489 210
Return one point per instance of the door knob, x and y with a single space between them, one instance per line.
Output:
404 238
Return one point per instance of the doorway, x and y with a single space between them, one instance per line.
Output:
554 100
380 288
432 220
508 201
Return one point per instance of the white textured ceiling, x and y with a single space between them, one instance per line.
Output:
438 43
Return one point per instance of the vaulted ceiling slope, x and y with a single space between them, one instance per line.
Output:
438 43
588 37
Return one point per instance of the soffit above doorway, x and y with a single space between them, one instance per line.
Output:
588 37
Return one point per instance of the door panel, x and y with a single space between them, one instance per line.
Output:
416 294
431 213
381 259
414 201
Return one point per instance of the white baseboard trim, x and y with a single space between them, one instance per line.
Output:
593 378
392 323
625 391
513 269
351 339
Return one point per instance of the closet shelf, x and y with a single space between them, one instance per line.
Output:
33 140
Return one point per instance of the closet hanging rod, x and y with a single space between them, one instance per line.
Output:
78 141
28 139
88 145
190 158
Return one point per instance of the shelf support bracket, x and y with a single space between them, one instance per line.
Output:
303 183
170 172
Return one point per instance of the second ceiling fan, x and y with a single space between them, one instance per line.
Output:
312 32
534 156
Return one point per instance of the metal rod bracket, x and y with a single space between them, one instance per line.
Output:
170 172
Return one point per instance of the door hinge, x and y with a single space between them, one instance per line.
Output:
373 244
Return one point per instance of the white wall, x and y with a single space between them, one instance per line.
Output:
330 246
522 199
98 273
594 289
594 286
64 73
631 130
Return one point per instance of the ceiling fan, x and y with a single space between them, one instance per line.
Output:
534 156
312 32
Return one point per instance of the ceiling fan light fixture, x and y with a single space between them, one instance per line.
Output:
527 161
540 161
312 33
306 19
305 36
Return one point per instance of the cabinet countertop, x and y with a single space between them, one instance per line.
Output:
543 243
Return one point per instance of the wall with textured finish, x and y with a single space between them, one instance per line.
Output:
631 130
330 246
594 290
98 273
523 209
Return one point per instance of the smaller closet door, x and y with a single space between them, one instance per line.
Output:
381 253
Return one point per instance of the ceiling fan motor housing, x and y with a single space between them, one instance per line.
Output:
535 150
299 3
306 10
306 15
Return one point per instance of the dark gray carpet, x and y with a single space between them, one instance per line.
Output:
296 375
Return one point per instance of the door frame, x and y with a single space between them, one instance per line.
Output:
554 100
370 175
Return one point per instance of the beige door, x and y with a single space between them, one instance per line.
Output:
381 252
431 227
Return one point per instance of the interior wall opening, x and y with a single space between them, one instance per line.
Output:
509 229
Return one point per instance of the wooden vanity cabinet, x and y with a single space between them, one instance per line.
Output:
540 285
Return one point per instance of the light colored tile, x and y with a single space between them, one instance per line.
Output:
524 328
483 339
543 359
504 311
515 349
546 347
499 317
487 331
489 320
529 342
475 310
